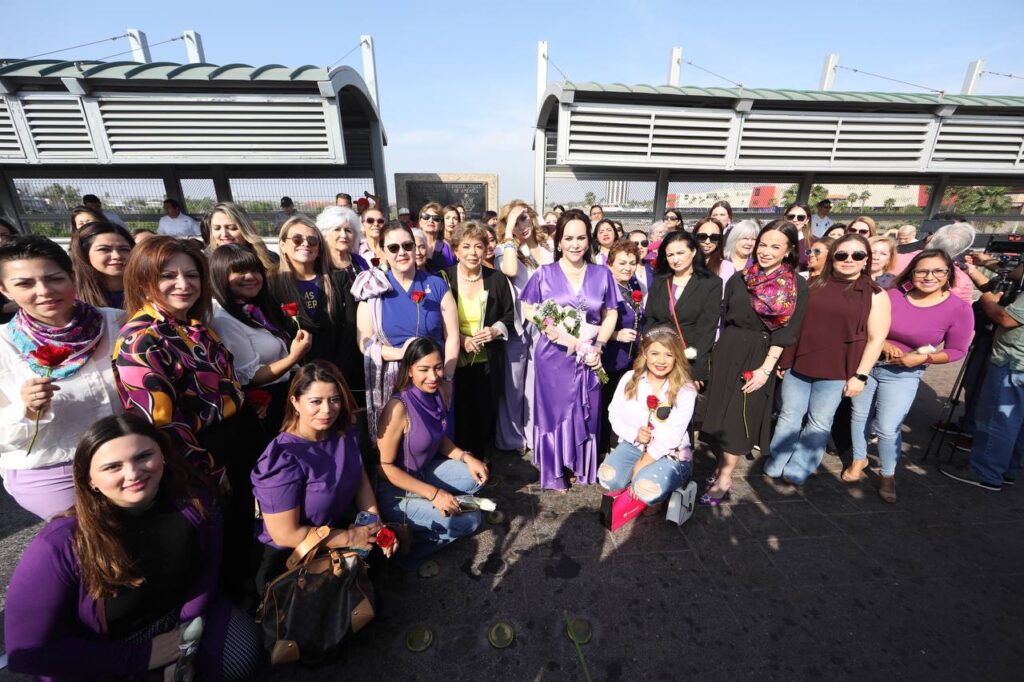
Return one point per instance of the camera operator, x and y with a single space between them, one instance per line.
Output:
997 453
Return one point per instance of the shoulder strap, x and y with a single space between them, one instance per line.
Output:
314 538
672 309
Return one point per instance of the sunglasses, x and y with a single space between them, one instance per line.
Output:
937 273
863 231
299 240
796 217
705 237
671 217
404 246
641 242
374 221
430 217
856 256
814 252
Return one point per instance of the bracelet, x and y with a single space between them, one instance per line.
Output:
508 245
436 491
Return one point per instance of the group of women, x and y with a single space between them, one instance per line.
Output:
245 377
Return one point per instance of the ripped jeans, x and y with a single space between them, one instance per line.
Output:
653 483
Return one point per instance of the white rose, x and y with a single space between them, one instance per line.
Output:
690 353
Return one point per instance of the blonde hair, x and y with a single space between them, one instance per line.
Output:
539 234
867 220
245 226
678 377
283 285
892 250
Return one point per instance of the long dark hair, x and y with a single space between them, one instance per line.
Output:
714 261
421 347
594 246
661 266
792 259
721 204
328 373
907 276
89 285
97 541
826 272
237 258
563 220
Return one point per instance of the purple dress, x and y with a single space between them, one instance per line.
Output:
567 394
319 478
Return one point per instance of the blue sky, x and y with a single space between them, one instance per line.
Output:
456 79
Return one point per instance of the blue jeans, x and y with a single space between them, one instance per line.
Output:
887 397
998 448
798 447
652 484
430 529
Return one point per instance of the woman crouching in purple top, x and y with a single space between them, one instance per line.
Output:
421 469
924 316
125 583
311 475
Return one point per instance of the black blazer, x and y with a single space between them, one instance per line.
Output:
499 308
698 310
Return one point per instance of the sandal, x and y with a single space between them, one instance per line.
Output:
855 471
715 501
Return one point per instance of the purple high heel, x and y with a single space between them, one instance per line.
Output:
715 501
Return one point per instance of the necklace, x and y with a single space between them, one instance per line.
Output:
467 278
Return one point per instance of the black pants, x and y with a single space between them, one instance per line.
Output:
476 408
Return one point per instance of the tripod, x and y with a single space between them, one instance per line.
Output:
939 436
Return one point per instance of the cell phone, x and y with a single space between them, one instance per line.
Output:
365 518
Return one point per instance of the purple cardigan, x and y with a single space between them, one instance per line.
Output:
53 627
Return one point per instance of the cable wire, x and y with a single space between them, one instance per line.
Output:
716 75
75 47
564 77
1005 75
894 80
151 45
358 45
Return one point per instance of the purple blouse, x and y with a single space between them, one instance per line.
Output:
428 422
617 356
319 478
403 318
949 323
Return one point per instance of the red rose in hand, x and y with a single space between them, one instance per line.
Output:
290 309
417 296
375 262
748 375
637 295
51 356
652 402
385 538
257 397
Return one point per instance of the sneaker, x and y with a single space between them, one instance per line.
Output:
965 475
964 443
1008 481
946 427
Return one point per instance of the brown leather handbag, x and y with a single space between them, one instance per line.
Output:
317 604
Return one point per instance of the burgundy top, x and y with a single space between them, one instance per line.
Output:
835 330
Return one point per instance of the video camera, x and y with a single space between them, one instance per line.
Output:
1009 251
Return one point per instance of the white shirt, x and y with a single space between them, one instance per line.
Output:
114 218
86 396
669 437
182 226
819 225
251 347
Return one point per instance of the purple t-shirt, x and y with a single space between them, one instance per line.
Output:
320 478
949 324
309 294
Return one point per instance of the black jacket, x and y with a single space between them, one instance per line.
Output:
499 308
698 311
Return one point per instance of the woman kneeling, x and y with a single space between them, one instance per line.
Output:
421 469
650 414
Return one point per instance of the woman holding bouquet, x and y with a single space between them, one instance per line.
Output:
44 409
567 422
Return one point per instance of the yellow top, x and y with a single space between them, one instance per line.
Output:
471 320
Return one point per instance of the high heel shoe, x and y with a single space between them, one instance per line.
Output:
707 499
887 488
853 473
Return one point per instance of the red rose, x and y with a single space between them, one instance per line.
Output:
375 262
51 356
417 296
748 375
652 402
290 309
257 397
385 537
637 295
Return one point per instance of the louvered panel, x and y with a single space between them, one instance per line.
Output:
357 148
550 149
988 142
9 144
218 128
58 127
881 141
785 140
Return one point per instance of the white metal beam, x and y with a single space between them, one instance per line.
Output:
194 47
370 69
828 71
140 46
675 65
974 70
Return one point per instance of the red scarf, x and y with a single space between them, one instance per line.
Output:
773 297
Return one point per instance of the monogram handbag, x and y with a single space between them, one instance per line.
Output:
318 603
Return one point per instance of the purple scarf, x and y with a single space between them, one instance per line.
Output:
772 296
428 421
255 313
80 335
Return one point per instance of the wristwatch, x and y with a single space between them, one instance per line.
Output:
862 377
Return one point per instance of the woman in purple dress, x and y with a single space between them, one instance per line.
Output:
567 393
311 476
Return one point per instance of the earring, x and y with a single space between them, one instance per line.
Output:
95 489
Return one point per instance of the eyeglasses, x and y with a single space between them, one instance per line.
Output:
641 242
299 240
796 217
863 231
814 252
671 217
705 237
430 217
374 221
856 256
404 246
937 273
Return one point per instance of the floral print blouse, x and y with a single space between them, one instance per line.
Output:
179 376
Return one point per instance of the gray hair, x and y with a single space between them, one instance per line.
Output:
336 217
417 233
954 239
744 229
907 230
